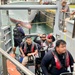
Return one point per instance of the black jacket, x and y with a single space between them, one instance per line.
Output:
48 64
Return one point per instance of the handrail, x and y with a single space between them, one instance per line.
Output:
73 34
24 69
21 7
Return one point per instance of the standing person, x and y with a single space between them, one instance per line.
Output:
58 60
65 11
18 36
28 48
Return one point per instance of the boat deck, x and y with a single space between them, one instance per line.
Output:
11 67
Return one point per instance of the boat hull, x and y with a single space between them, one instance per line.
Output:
23 15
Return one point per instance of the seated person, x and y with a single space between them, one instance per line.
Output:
28 48
42 39
50 40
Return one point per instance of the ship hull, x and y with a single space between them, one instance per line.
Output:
23 16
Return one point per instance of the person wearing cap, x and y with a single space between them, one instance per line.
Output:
57 60
18 34
27 49
65 11
50 40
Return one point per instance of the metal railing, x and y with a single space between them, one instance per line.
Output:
73 34
6 56
63 21
21 7
68 73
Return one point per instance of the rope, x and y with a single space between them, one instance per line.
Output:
39 23
43 22
30 23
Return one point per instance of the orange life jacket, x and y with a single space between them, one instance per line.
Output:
57 61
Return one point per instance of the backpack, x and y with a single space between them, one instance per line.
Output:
17 33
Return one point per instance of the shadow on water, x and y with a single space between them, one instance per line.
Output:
38 27
41 28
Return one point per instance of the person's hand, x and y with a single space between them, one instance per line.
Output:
61 10
73 13
29 54
23 55
39 35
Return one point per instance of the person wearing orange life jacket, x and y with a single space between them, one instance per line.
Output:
57 60
28 48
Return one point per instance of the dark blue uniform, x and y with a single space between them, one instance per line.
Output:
48 64
19 37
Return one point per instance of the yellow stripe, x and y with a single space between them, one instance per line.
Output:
65 37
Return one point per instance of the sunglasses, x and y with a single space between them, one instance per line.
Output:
42 37
49 38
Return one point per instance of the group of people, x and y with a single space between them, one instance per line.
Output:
58 59
55 58
30 47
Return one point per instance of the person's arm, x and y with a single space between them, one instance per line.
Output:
35 39
22 31
45 62
66 9
71 62
35 51
21 50
73 13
